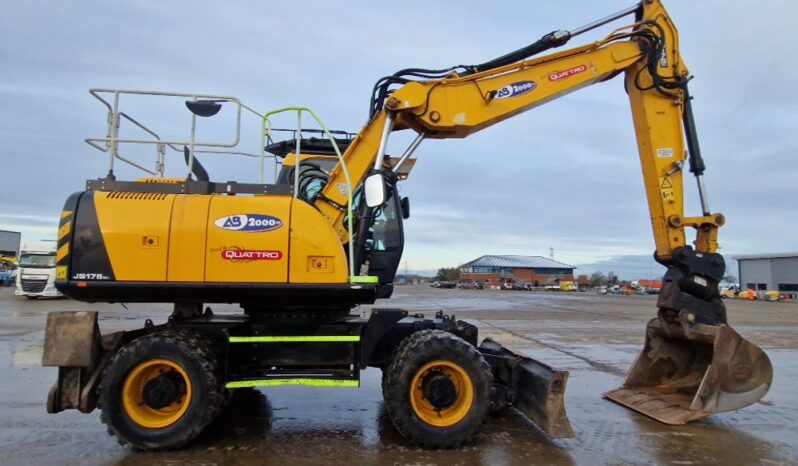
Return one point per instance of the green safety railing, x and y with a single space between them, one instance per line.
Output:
293 381
265 132
295 339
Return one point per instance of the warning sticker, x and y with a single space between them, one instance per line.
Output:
665 153
342 189
666 188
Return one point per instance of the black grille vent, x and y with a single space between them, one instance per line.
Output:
137 196
33 286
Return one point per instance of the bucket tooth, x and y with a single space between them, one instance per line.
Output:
686 373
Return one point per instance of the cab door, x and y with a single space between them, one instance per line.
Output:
386 239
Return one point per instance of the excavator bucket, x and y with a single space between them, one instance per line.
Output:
688 373
533 388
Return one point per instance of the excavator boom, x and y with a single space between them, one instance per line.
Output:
693 363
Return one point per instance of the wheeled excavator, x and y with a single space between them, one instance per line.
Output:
300 254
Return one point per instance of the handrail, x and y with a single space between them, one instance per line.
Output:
112 140
266 130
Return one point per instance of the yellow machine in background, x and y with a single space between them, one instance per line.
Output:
568 285
299 254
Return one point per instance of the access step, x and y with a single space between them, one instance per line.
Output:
316 359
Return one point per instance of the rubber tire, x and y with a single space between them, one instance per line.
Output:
413 353
195 353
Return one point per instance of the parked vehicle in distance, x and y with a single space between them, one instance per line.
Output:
36 272
773 295
747 294
567 285
729 290
465 284
8 270
602 290
728 293
479 285
769 295
7 277
562 285
512 285
443 284
649 286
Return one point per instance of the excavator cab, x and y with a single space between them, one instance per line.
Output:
379 230
383 234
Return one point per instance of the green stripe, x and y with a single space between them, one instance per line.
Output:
296 339
283 382
363 279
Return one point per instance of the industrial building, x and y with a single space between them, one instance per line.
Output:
537 270
9 243
769 271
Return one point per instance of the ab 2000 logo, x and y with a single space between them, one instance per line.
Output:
248 222
516 89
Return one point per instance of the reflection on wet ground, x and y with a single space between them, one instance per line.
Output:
594 337
307 426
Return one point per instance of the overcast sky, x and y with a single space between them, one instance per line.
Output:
565 175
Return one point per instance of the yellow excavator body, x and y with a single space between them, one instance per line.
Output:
140 239
302 252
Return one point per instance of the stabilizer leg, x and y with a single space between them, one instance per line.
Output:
535 389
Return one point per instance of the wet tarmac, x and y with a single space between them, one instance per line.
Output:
594 337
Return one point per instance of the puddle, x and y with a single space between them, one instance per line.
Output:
28 355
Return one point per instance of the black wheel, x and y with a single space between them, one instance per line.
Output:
161 390
437 389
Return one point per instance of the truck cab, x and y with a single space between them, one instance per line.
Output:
36 272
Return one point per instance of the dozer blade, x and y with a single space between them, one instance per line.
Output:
688 373
535 389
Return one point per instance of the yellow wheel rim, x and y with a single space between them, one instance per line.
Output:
464 394
133 394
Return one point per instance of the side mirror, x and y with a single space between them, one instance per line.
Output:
375 190
405 208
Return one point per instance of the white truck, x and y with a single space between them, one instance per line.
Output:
36 272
